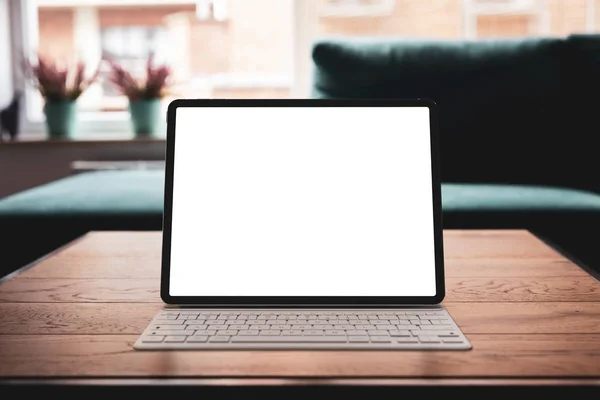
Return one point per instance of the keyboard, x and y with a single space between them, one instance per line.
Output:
384 329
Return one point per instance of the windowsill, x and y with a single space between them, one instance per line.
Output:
91 137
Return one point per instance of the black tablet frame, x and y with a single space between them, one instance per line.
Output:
302 301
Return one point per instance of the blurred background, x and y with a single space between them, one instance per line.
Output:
258 49
248 49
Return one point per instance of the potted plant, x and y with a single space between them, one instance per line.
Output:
144 95
60 86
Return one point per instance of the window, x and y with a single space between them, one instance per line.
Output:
258 48
130 46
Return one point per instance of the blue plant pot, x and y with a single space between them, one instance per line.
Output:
61 119
146 117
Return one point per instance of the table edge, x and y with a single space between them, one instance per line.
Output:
293 381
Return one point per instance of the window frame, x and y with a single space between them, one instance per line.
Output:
24 35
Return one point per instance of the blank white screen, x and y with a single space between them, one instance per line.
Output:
302 202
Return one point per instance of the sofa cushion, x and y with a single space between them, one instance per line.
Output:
501 102
118 200
517 206
132 200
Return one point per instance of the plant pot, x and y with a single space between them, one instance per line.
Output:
146 117
61 118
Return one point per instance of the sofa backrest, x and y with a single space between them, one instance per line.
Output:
505 106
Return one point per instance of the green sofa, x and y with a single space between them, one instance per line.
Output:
518 126
36 221
519 120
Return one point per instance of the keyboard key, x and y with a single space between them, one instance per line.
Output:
248 333
239 327
322 326
191 317
168 327
378 333
400 333
197 339
313 333
335 333
216 322
208 332
434 328
165 332
288 339
197 327
380 339
407 340
194 322
425 322
358 339
153 339
452 340
429 339
444 333
167 317
292 332
169 314
301 326
170 322
219 339
281 327
175 339
270 333
356 332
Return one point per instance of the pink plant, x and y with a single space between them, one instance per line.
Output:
58 82
151 87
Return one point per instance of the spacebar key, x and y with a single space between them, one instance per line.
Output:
288 339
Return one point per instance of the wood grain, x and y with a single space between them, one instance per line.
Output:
529 313
493 356
127 255
117 318
551 289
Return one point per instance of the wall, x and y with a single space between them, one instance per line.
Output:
265 46
56 27
431 18
6 86
147 16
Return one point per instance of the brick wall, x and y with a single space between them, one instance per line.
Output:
143 16
491 26
261 36
568 16
56 33
410 18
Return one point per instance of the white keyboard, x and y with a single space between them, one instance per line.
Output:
368 329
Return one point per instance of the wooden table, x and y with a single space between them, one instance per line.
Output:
531 315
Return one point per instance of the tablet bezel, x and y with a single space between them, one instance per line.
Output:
302 301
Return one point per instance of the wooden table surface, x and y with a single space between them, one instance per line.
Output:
531 315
